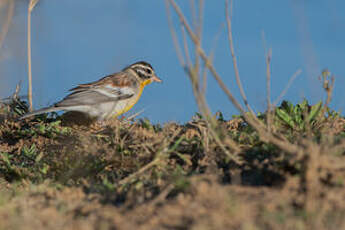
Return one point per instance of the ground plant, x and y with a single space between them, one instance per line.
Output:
282 168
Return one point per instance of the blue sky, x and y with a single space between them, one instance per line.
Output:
82 40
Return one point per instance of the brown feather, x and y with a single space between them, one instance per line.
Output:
116 80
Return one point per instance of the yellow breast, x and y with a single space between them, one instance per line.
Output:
132 101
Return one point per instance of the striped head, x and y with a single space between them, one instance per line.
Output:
144 71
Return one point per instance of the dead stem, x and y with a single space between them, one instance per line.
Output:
7 23
174 36
31 6
185 46
160 156
143 169
291 80
268 88
234 59
205 58
328 85
252 120
193 73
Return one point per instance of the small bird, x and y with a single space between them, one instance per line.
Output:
110 96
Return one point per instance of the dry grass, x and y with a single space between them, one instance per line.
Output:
282 169
6 25
136 175
31 7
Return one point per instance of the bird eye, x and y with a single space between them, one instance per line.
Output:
148 71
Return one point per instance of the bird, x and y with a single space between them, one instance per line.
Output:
108 97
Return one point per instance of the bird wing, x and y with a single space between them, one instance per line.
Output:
120 79
110 88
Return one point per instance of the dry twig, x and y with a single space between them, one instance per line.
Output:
291 80
7 23
252 120
234 59
193 73
268 88
32 5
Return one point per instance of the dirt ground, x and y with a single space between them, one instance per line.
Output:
138 175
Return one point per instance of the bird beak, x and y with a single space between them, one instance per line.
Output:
156 79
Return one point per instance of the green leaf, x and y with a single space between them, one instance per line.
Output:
285 105
5 157
185 157
44 169
39 157
198 116
304 105
298 114
220 116
297 111
42 128
290 107
285 117
176 144
146 123
315 111
29 152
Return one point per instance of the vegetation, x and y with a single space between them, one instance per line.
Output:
280 169
130 175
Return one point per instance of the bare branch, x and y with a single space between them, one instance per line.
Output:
252 120
211 56
198 29
31 6
174 36
185 46
29 57
201 16
131 117
7 23
328 85
205 58
204 77
140 171
194 15
291 80
234 60
268 88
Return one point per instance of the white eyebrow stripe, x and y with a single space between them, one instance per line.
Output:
141 66
141 71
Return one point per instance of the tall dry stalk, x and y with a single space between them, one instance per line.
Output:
32 5
305 149
6 26
192 68
264 133
234 59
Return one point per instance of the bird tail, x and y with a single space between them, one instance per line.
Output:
40 111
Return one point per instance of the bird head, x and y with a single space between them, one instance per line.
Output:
145 72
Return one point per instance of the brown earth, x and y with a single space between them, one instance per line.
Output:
135 175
